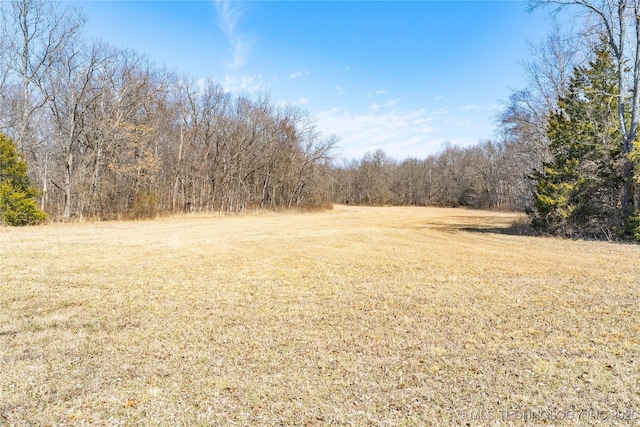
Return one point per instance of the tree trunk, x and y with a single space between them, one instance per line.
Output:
67 184
628 190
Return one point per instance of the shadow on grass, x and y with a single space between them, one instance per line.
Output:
513 230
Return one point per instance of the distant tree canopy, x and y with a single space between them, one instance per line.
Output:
487 175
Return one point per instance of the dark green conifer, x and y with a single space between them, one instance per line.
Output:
578 192
17 194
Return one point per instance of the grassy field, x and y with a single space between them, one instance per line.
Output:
361 316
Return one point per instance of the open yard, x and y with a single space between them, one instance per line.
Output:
362 316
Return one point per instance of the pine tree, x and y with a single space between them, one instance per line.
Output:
17 194
578 193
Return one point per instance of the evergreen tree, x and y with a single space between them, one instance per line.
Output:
17 194
578 192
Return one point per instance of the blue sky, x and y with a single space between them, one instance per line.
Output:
402 76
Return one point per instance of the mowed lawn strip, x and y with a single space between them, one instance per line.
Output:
363 316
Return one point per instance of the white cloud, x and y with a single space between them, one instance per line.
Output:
300 102
476 107
400 133
229 15
374 92
299 74
338 88
391 103
244 84
395 131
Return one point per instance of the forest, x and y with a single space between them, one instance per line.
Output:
106 133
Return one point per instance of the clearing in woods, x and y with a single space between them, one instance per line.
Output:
363 316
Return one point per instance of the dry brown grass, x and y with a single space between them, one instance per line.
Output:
363 316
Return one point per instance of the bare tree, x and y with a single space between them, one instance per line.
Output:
548 72
34 34
551 65
110 134
523 122
72 87
37 32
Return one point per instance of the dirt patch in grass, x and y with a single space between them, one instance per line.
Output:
362 316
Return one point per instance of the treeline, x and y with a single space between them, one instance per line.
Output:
487 175
109 134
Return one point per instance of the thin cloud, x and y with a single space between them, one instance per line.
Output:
229 15
298 103
375 92
477 107
244 84
299 74
400 133
391 103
